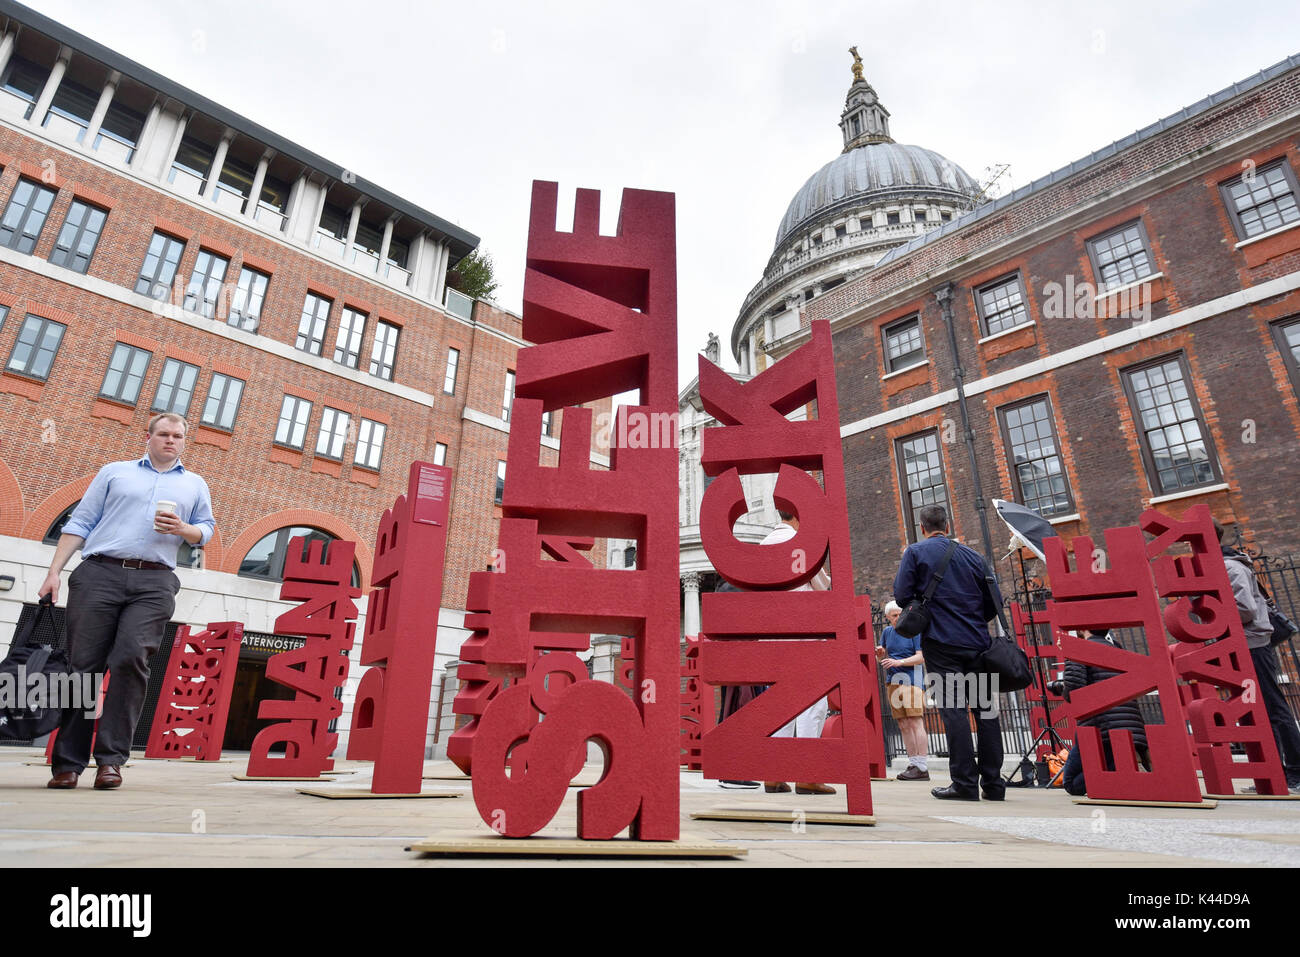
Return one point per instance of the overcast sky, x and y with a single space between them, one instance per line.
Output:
732 106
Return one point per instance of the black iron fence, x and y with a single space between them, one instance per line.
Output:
1280 576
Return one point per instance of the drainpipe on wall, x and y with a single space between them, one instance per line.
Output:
944 295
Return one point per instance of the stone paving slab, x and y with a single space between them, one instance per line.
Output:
191 814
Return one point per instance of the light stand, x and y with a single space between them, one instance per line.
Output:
1038 666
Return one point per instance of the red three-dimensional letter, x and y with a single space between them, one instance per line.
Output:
820 648
603 312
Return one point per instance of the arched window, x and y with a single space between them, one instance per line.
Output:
56 528
265 560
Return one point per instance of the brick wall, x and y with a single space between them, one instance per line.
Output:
58 433
1245 393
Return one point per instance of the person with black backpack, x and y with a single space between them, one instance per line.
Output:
1253 608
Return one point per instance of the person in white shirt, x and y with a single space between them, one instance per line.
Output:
809 723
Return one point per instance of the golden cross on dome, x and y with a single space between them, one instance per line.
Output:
857 63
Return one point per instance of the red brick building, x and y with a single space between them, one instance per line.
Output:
1123 332
160 252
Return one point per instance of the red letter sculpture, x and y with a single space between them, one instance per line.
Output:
603 310
1211 650
327 619
195 698
822 647
391 715
1120 596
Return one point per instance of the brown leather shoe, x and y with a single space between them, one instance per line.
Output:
813 789
913 773
63 781
776 787
108 776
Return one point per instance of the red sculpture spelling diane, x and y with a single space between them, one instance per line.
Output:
603 312
327 619
832 651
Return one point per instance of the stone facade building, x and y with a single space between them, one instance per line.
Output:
1122 333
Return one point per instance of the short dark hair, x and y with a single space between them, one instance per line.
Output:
934 518
1219 529
785 516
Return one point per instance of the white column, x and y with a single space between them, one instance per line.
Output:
605 658
177 135
415 263
440 271
51 85
353 222
385 244
691 609
6 50
259 177
101 108
146 136
292 226
218 162
320 210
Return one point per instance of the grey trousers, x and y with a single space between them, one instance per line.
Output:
116 620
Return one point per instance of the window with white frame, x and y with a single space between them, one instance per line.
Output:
449 379
222 405
158 272
246 307
311 327
291 430
204 290
24 217
347 344
508 400
175 387
79 236
334 426
383 351
1262 198
125 374
370 444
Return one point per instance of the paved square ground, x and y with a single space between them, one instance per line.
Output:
183 814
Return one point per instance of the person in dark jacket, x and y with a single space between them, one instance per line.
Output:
958 634
1123 716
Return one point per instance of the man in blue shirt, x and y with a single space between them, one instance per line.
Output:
960 610
903 662
123 593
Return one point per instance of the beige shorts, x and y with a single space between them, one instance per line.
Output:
906 701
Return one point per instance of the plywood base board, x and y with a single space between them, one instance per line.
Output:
783 816
1202 805
580 781
1252 797
366 793
571 847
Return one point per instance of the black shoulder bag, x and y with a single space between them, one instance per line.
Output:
1283 627
25 720
916 616
1004 657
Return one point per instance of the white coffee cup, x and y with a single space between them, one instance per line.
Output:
163 506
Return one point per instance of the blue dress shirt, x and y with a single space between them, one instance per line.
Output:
961 607
115 516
